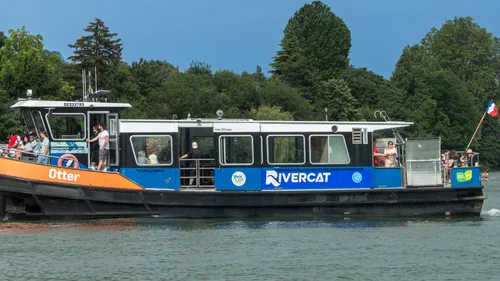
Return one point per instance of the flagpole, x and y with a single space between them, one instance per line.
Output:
478 125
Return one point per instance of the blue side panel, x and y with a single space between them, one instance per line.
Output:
166 178
237 179
59 148
317 178
465 176
387 177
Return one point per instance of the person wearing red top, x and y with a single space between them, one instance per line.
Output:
12 144
375 152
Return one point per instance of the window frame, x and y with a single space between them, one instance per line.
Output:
38 130
84 129
154 136
328 136
286 135
222 150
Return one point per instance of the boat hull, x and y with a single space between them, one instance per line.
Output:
23 199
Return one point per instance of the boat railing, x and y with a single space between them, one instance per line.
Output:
457 164
200 170
32 157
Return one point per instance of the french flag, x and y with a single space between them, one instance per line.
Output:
492 109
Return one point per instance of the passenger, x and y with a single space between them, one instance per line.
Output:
153 159
376 155
390 155
94 148
142 158
194 153
13 142
466 159
103 138
28 146
43 157
75 128
485 174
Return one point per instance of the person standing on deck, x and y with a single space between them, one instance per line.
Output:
390 155
195 153
103 138
43 158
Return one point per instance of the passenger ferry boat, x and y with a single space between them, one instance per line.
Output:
249 168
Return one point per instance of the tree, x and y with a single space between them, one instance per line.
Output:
2 39
447 81
197 67
336 96
100 49
25 65
265 112
314 47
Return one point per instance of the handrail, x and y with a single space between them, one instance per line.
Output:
198 177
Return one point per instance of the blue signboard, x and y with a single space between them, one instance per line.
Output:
319 178
465 177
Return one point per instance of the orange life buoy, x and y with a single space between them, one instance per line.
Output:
68 156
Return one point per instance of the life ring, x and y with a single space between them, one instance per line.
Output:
68 156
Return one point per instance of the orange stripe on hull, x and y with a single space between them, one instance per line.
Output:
46 173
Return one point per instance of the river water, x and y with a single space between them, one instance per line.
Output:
166 249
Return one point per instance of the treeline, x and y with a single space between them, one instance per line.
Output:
442 84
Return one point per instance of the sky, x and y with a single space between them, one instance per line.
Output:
239 35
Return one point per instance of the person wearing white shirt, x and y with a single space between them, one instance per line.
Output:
153 159
103 138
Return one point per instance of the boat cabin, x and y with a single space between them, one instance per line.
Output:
239 155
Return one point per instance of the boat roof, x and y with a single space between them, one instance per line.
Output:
238 125
34 103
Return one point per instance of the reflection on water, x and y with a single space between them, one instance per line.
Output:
221 224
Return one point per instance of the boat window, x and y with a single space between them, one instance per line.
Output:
37 116
63 126
328 149
28 121
152 150
286 149
236 150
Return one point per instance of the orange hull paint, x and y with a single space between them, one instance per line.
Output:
46 173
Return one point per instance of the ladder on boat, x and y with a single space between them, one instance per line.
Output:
382 114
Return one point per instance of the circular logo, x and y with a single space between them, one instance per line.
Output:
238 178
357 177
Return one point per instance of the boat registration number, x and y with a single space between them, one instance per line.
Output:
73 104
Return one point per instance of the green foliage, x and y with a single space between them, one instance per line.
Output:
197 67
266 112
335 95
448 81
314 47
2 39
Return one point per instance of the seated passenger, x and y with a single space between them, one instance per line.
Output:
153 159
142 158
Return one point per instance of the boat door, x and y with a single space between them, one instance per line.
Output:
239 156
113 130
94 118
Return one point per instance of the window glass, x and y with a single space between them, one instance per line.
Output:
329 150
38 121
237 150
152 150
28 121
67 127
285 149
